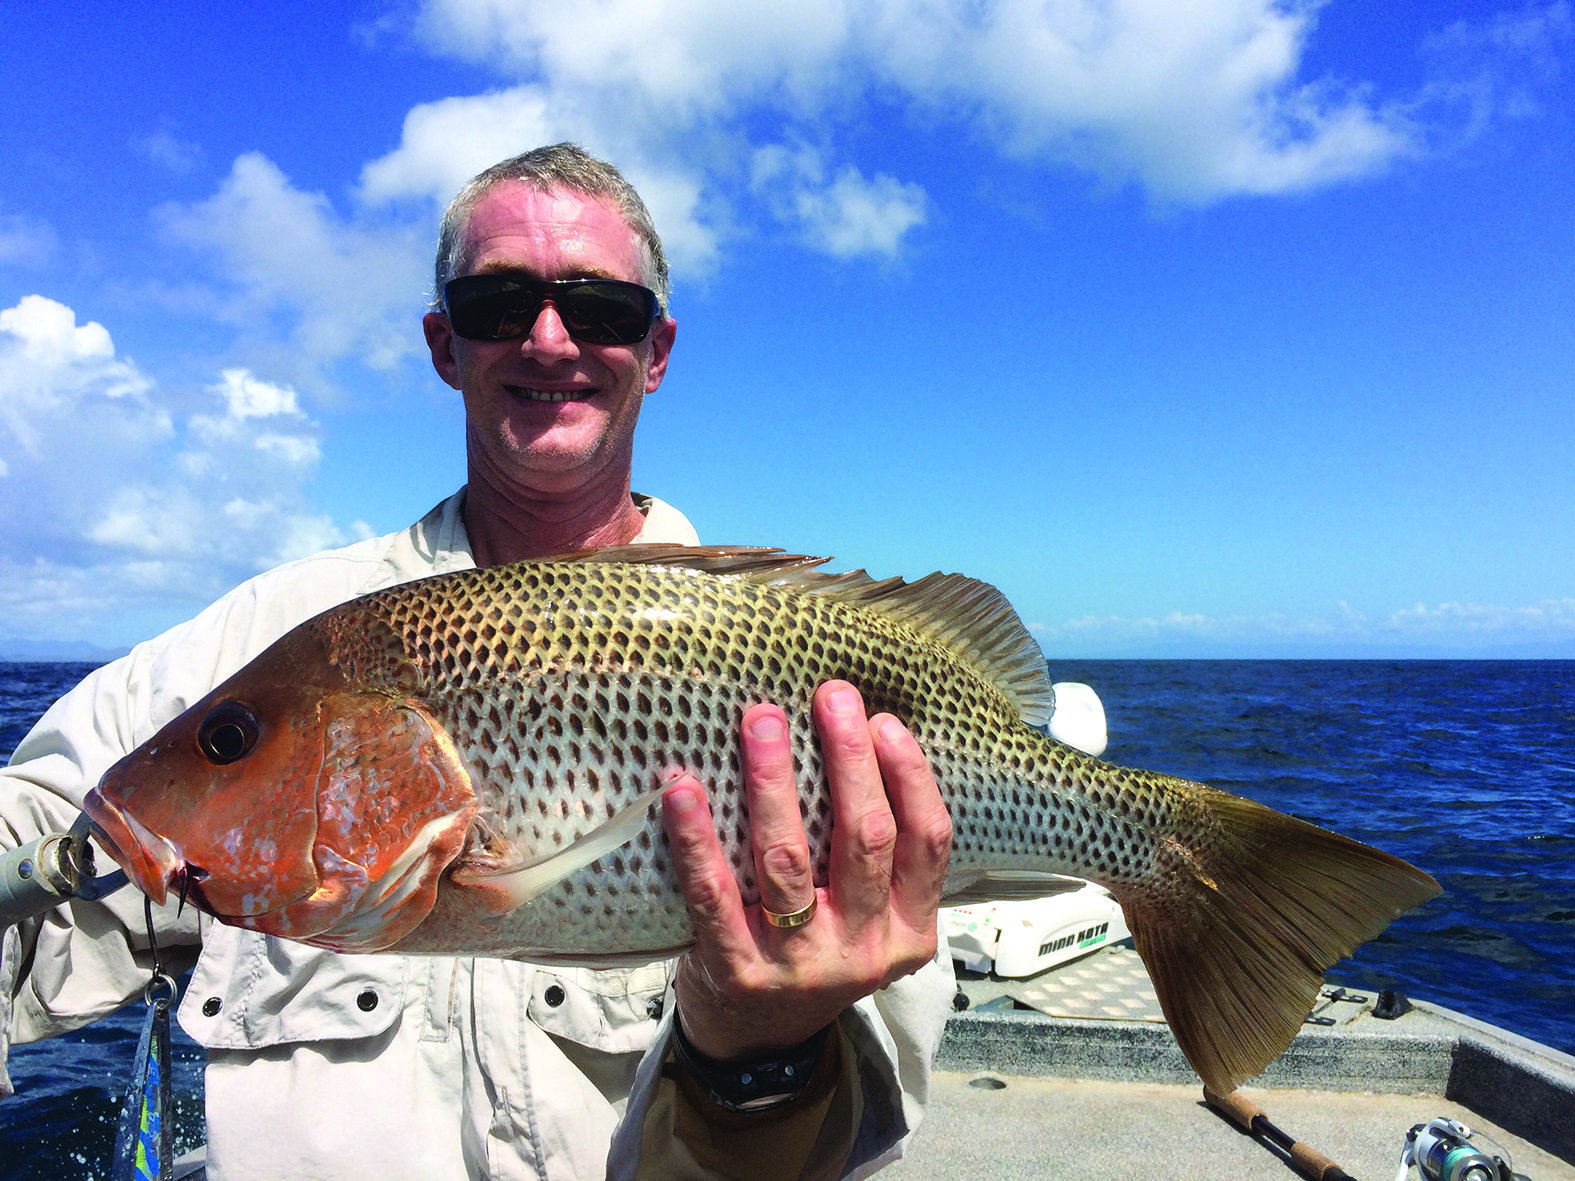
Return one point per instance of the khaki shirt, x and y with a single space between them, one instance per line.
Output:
432 1067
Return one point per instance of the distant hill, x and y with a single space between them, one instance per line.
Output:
50 651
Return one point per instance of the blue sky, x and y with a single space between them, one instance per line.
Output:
1200 327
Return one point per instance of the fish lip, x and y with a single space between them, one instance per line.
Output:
148 859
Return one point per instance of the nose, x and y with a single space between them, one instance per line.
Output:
549 338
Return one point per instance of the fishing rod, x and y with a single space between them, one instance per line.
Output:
1307 1160
1441 1150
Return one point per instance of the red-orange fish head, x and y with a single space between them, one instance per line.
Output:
293 800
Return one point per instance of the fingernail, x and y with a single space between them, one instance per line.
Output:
843 701
766 728
892 731
683 799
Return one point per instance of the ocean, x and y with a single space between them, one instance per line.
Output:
1466 768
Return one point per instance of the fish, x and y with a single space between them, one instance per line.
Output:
468 764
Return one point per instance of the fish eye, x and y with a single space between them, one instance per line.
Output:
227 733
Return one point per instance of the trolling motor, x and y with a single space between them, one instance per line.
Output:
1441 1150
49 870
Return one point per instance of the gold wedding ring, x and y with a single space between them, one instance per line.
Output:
786 922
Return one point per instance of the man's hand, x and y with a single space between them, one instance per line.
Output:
747 988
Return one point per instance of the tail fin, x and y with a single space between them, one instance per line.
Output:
1254 908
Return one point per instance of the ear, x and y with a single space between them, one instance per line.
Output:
440 340
661 341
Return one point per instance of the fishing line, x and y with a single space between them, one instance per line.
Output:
144 1137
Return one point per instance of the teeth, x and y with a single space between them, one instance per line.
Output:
551 395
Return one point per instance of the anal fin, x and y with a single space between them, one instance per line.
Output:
971 887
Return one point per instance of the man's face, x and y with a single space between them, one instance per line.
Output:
547 414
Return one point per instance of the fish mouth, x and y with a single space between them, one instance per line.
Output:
149 860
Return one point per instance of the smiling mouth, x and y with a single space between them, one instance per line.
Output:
535 395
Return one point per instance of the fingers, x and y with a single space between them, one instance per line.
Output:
716 911
864 831
747 987
784 869
924 825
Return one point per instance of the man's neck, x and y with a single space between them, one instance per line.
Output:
512 525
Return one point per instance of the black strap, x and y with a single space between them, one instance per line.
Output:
751 1086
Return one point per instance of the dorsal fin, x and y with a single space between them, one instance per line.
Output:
969 616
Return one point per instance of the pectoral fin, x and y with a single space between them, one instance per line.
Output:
516 884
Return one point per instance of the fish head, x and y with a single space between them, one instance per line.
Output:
301 798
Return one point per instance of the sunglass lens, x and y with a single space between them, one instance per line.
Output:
480 308
606 313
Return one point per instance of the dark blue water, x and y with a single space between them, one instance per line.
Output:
60 1124
1466 768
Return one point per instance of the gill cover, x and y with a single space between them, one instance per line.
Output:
393 804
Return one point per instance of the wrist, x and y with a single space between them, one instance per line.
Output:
760 1084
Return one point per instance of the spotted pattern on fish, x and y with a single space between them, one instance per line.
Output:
535 710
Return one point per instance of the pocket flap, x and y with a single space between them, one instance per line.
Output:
250 991
611 1010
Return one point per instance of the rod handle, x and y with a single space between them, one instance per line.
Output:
1250 1118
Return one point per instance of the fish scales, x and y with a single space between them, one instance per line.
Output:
470 764
580 688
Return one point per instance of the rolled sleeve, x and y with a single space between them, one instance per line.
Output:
885 1049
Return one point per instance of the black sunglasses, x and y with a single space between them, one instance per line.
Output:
505 307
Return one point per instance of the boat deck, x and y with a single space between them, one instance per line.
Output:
1098 1130
1039 1092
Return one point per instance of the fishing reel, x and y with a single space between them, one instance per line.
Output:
49 870
1441 1150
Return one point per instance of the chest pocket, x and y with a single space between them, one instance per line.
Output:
250 991
612 1010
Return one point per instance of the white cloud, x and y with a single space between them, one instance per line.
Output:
1493 69
1553 617
52 369
690 60
663 90
1190 100
845 215
247 397
133 503
1193 100
1446 626
165 148
25 240
339 288
445 143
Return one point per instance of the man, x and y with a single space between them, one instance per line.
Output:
322 1065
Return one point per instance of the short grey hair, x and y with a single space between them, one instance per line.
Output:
557 166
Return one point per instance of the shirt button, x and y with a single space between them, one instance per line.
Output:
211 1006
554 995
367 1001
